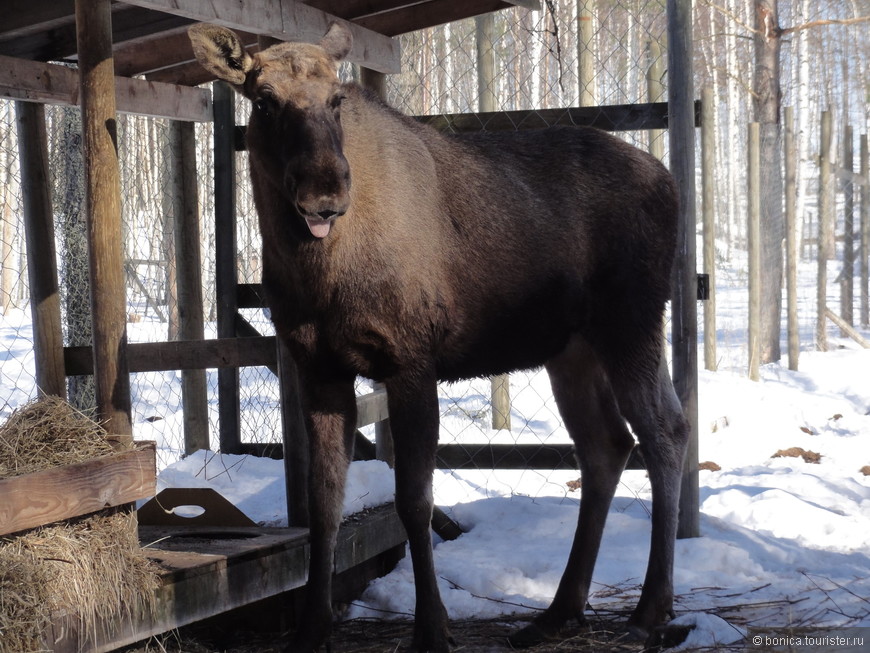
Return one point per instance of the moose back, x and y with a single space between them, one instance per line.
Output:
408 256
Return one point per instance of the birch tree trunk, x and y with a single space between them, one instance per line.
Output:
766 107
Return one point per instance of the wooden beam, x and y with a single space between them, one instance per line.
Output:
103 212
617 117
21 17
285 20
181 151
69 491
432 13
53 84
182 355
169 50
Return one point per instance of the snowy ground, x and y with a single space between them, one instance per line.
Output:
783 542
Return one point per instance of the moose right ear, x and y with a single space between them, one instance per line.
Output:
220 52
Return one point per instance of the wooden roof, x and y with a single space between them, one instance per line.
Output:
149 36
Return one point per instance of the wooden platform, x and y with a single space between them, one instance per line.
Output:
208 571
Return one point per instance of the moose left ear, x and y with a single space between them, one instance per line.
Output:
337 42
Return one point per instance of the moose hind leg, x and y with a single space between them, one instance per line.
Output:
656 417
602 444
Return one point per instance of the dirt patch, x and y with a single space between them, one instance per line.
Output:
377 636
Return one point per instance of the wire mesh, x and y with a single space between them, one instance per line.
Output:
570 53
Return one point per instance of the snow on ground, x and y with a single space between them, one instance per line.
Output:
784 542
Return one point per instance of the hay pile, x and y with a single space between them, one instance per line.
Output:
90 567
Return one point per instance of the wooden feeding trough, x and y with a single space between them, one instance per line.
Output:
205 566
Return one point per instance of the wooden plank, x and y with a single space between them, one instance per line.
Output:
41 259
616 117
34 81
372 408
285 20
103 213
70 491
847 328
515 456
21 17
431 13
209 571
182 355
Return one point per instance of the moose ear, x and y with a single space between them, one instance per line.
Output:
337 42
220 52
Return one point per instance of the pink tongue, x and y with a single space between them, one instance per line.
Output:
318 228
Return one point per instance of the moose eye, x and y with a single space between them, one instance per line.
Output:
264 105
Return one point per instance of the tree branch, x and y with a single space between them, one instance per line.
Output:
820 23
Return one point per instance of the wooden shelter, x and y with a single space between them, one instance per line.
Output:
134 56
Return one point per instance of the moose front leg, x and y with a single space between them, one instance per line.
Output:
330 416
413 404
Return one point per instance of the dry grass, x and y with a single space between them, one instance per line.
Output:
378 636
49 433
91 568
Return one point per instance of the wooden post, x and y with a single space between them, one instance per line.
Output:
684 309
754 246
41 259
586 52
103 202
377 83
191 321
484 36
847 283
655 91
791 244
865 231
226 271
825 212
487 102
708 210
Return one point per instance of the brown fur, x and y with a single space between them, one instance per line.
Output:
431 257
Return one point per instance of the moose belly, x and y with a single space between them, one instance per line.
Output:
501 340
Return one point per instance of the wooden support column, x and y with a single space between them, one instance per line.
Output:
791 241
191 321
41 259
488 102
865 231
103 204
684 309
377 83
226 271
826 212
847 279
708 211
753 240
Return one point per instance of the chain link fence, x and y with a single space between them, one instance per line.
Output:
511 60
571 53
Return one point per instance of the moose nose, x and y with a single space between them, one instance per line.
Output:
326 214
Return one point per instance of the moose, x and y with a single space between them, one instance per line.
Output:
408 256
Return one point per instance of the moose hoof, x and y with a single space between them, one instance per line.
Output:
441 642
542 630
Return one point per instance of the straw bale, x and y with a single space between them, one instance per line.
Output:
91 568
48 433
